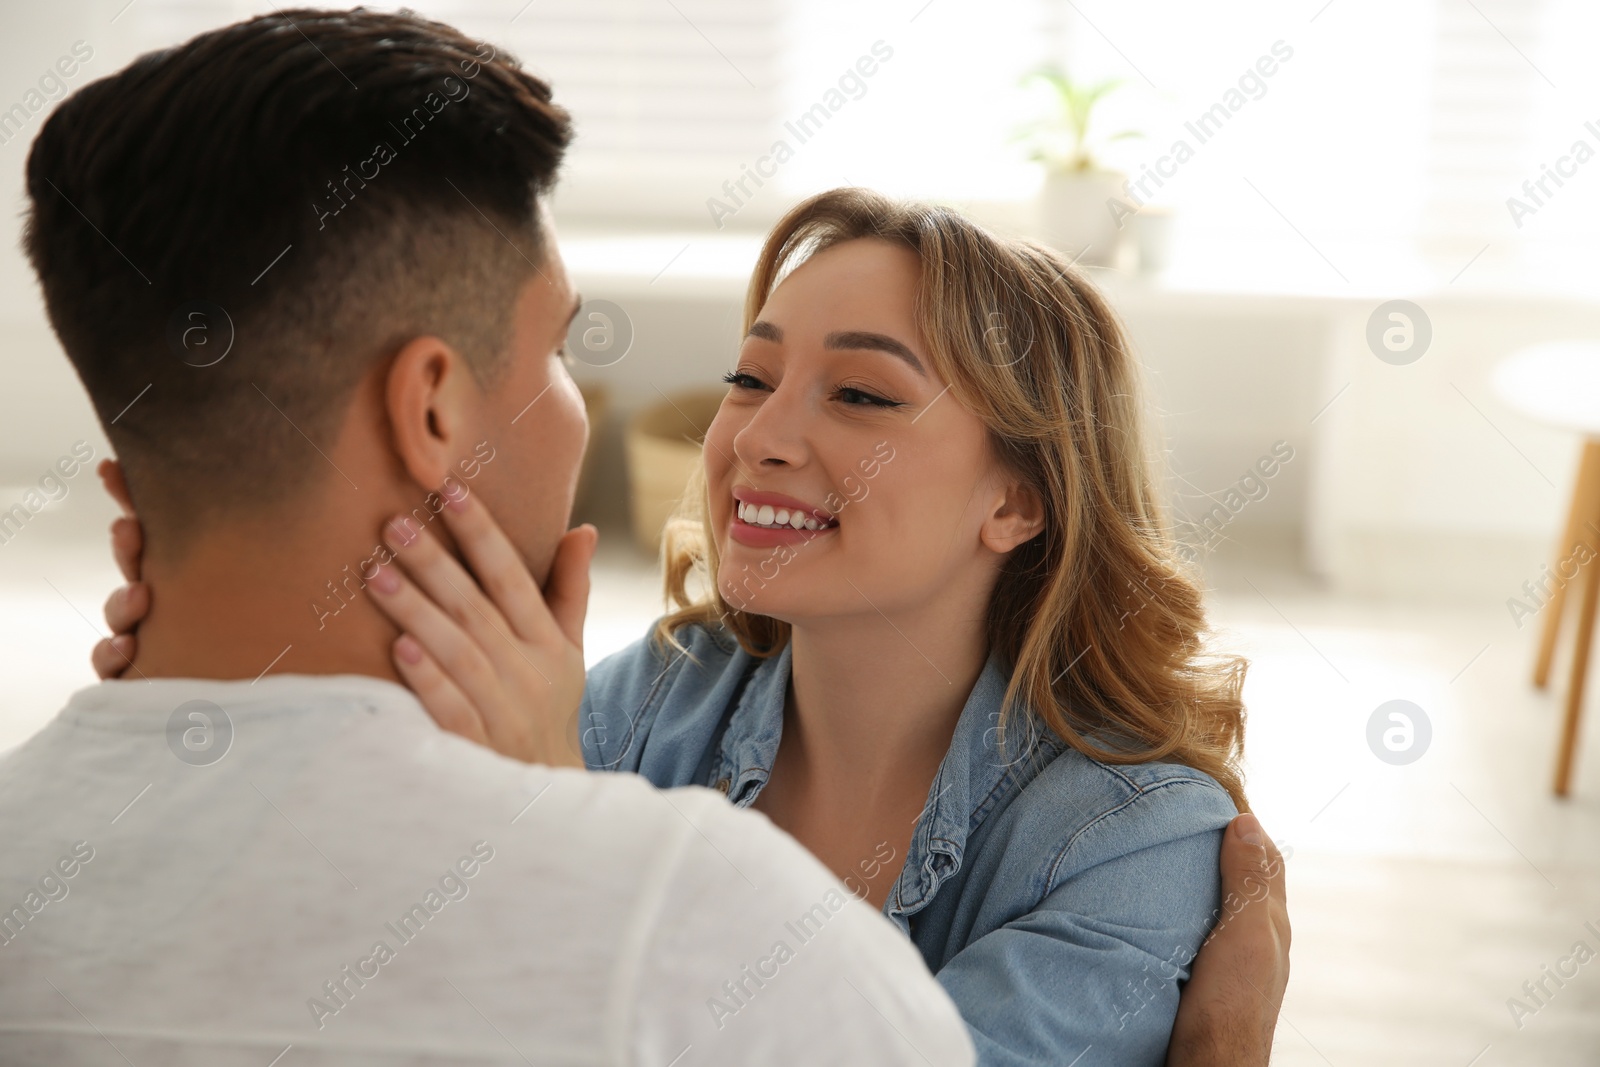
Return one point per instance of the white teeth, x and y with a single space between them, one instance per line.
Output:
767 515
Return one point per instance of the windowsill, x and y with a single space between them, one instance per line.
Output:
671 263
689 263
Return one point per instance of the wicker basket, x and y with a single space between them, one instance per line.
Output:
596 406
663 445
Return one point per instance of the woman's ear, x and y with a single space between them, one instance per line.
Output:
429 397
1016 520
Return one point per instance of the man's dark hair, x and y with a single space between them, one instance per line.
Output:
317 186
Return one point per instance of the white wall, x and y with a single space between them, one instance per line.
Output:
1411 480
42 407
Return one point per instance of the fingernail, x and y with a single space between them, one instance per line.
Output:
457 504
386 581
1249 828
407 649
400 531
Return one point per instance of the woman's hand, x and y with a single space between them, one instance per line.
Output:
505 667
128 604
502 669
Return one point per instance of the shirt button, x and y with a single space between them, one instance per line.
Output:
723 784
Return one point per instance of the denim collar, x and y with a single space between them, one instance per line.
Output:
973 778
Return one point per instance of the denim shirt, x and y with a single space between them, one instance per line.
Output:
1058 900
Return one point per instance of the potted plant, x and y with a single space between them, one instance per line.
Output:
1074 216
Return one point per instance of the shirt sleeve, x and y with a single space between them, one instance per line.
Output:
617 711
1095 969
756 954
654 710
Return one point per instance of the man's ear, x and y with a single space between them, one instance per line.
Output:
1016 519
116 483
430 396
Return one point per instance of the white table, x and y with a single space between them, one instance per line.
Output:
1558 384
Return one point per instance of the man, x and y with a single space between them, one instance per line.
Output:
302 266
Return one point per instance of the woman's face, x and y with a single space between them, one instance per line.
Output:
843 478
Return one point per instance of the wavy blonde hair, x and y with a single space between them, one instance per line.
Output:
1100 617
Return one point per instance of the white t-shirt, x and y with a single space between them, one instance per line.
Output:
308 868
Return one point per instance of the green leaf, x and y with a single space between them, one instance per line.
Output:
1063 141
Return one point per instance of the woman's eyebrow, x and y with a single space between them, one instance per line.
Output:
847 339
876 342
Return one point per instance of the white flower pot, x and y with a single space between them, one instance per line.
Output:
1151 228
1075 215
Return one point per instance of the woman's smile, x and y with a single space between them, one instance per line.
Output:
762 519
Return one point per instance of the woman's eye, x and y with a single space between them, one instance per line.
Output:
859 397
743 381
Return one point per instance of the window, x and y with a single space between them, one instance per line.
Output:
1389 138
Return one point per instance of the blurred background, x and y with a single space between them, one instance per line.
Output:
1355 244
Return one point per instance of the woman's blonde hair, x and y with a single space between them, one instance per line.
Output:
1099 618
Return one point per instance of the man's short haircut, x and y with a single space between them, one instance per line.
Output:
336 182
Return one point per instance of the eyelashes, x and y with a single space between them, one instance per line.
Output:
848 395
867 399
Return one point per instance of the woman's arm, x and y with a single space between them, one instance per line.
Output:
1096 967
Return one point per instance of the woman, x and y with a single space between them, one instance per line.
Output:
947 640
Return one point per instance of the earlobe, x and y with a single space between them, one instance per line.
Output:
425 394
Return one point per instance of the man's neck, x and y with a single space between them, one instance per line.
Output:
240 606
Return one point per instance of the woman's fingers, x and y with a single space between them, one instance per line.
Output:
112 655
446 582
498 566
567 592
440 695
463 659
516 688
449 645
127 606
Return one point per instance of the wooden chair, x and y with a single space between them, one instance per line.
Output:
1558 384
1583 518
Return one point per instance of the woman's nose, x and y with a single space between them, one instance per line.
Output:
775 436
